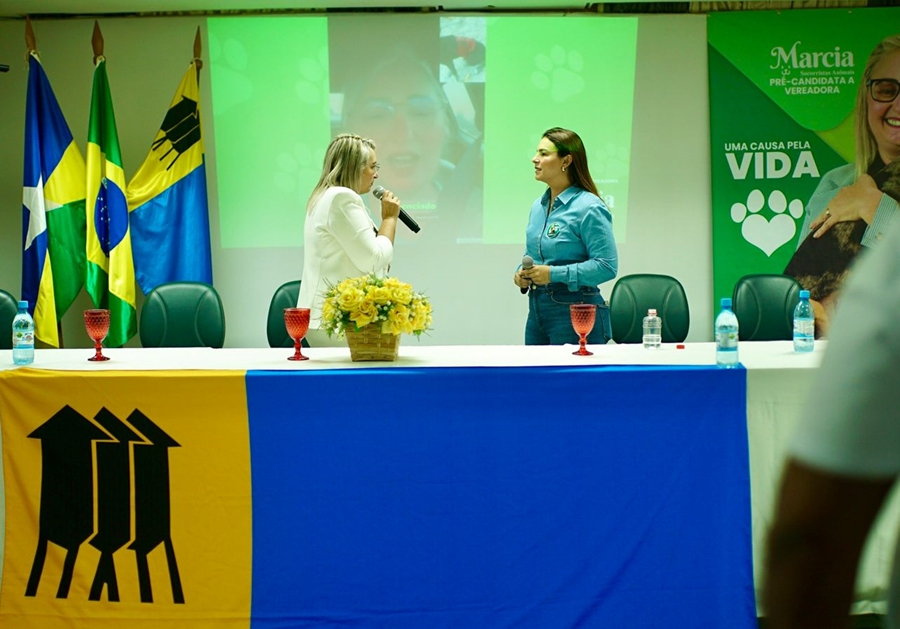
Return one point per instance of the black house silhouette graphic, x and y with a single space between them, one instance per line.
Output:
130 453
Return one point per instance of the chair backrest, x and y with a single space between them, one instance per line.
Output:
8 309
183 314
634 294
284 297
764 305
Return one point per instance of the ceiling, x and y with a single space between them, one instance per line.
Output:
56 8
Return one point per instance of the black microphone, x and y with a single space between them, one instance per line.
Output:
378 191
527 263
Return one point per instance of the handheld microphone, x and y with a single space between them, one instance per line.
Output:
527 263
378 191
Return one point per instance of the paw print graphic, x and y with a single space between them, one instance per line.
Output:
309 87
559 72
228 61
767 235
609 164
294 168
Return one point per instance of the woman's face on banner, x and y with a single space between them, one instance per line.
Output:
402 111
884 118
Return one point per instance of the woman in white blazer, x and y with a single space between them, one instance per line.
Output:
340 238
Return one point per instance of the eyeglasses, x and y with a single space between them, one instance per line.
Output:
883 90
417 107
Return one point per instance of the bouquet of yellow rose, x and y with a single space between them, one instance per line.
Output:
358 301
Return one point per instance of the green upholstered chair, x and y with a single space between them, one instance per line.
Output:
183 314
284 297
764 305
9 306
634 294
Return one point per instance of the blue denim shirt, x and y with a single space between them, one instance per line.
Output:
575 238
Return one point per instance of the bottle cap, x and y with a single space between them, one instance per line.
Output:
726 302
804 294
23 304
651 312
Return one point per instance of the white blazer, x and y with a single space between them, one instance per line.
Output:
339 241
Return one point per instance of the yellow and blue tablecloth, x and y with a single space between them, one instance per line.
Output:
399 498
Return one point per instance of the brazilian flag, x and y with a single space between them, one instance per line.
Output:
110 268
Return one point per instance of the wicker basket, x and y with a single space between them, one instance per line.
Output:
370 343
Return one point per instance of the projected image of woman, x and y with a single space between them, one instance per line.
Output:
855 204
570 238
403 108
340 238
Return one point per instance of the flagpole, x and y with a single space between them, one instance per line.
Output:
53 254
97 42
198 50
31 49
170 189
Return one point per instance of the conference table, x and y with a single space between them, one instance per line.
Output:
459 486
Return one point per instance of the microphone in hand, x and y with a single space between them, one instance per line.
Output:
378 191
527 263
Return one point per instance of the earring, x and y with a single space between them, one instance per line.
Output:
564 169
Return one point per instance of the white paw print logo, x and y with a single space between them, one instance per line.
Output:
229 61
294 168
767 235
312 73
609 164
560 72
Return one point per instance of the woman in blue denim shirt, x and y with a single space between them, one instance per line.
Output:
570 238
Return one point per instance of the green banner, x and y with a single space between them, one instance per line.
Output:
782 89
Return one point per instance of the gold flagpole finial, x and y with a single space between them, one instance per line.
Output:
97 42
30 40
198 50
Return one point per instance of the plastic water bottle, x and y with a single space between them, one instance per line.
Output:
804 324
726 336
23 336
652 330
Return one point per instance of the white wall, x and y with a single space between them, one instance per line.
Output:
669 222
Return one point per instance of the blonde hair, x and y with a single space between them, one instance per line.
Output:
345 159
866 147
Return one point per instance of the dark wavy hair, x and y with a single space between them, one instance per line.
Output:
569 143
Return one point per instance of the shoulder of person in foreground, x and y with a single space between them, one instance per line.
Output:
844 425
845 454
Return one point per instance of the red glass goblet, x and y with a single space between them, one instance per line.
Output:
583 316
96 322
296 320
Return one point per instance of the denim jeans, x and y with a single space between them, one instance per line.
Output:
549 322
